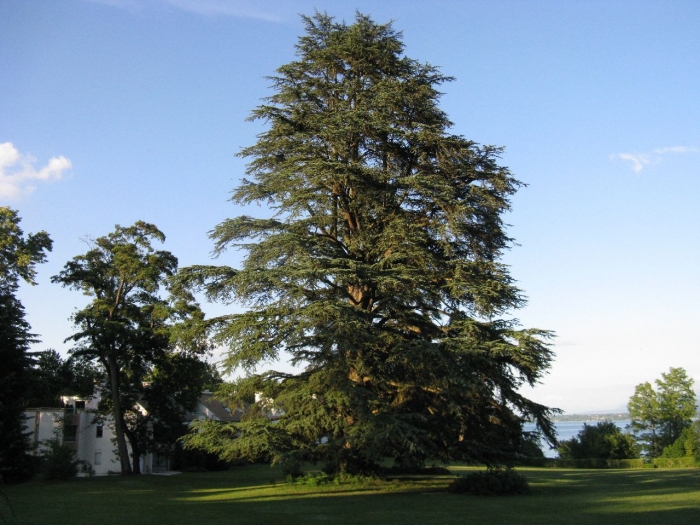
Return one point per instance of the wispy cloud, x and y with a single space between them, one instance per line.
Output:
234 8
640 160
18 172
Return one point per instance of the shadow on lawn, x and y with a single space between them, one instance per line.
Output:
558 497
256 495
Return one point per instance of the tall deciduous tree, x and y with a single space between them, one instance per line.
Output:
18 257
379 272
660 416
129 326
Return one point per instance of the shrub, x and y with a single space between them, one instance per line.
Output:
492 482
291 468
601 441
684 462
626 463
59 460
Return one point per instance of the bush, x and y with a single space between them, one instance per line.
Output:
492 482
59 461
601 441
292 469
626 463
684 462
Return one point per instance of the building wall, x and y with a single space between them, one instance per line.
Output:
99 451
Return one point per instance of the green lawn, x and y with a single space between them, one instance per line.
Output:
257 495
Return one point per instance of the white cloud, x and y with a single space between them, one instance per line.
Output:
639 160
234 8
18 171
676 149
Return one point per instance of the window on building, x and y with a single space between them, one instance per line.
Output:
99 429
98 458
70 432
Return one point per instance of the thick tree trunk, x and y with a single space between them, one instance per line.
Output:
135 452
117 413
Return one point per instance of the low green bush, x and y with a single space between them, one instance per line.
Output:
626 463
684 462
582 463
492 482
59 461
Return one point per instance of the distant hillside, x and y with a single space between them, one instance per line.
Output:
618 416
608 416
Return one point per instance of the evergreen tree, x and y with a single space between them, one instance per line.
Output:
18 257
379 272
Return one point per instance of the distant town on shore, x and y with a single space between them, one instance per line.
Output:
615 416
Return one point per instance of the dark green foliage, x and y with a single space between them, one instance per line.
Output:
687 444
530 445
603 440
18 257
492 482
59 461
379 272
195 460
660 415
52 377
145 344
398 470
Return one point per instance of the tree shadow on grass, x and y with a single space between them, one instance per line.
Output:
252 497
561 497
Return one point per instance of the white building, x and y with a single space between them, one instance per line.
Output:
93 442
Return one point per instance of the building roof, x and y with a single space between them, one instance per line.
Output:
219 409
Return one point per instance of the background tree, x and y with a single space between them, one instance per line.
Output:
378 274
128 326
603 440
52 377
660 416
172 388
687 444
18 257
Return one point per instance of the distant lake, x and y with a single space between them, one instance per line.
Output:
569 429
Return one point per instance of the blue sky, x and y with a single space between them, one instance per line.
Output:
113 111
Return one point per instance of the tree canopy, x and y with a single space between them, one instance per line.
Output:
19 255
603 440
379 272
130 326
660 415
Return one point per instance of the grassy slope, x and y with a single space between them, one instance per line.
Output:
256 495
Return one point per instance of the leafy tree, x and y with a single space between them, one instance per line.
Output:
603 440
660 416
173 388
18 257
52 377
687 445
128 327
379 272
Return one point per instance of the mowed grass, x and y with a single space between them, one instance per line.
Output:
257 494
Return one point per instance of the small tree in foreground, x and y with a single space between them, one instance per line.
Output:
379 273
